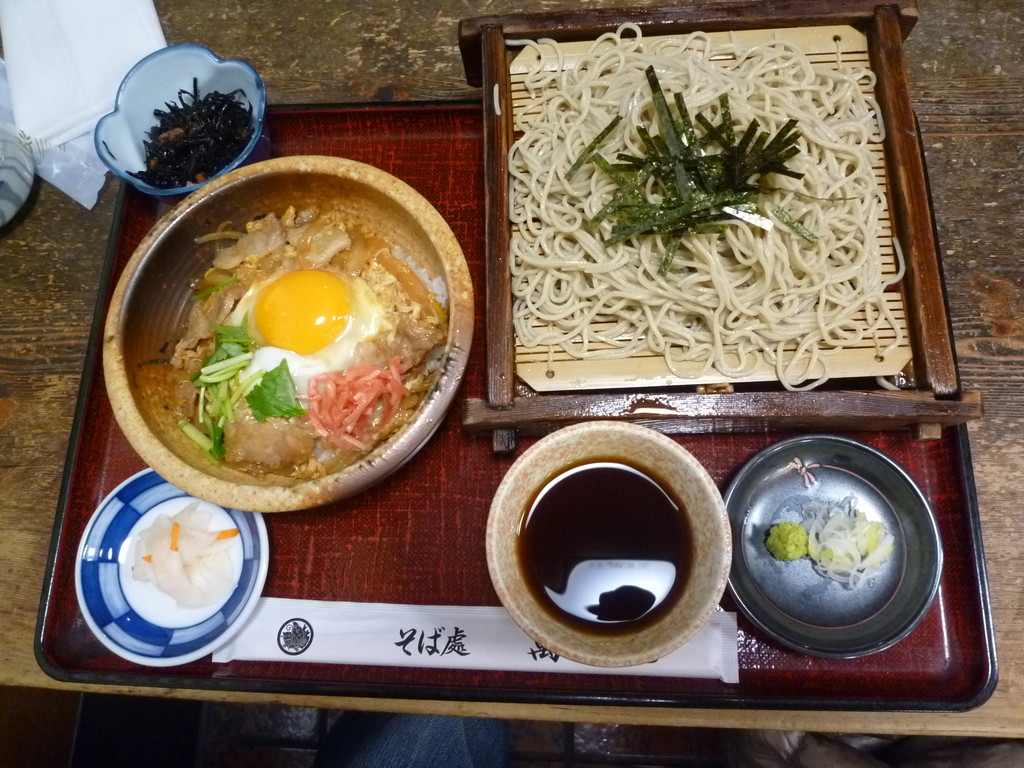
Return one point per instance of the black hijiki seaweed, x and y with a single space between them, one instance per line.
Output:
195 138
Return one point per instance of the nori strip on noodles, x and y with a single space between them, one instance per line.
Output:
195 138
695 185
592 147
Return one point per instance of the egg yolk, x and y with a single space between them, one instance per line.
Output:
303 311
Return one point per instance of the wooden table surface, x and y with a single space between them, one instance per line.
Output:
966 77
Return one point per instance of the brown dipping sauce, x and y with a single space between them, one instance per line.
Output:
605 547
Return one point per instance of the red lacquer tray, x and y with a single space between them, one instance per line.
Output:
419 536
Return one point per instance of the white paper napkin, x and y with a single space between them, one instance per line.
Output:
447 637
66 58
73 167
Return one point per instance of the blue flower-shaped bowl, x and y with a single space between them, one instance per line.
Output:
158 80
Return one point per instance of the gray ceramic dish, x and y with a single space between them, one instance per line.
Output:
789 600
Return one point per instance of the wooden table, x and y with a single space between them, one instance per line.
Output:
966 76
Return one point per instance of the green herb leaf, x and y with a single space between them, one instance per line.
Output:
275 395
219 388
217 435
212 446
229 341
214 288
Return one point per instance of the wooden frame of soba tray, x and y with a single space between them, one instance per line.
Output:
935 398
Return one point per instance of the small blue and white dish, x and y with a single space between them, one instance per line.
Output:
135 619
161 78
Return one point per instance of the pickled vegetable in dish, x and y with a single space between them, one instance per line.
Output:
185 559
311 340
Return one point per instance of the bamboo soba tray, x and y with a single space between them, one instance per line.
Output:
548 368
534 390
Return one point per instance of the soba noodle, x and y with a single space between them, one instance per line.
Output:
729 299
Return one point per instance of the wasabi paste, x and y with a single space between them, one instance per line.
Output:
787 541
